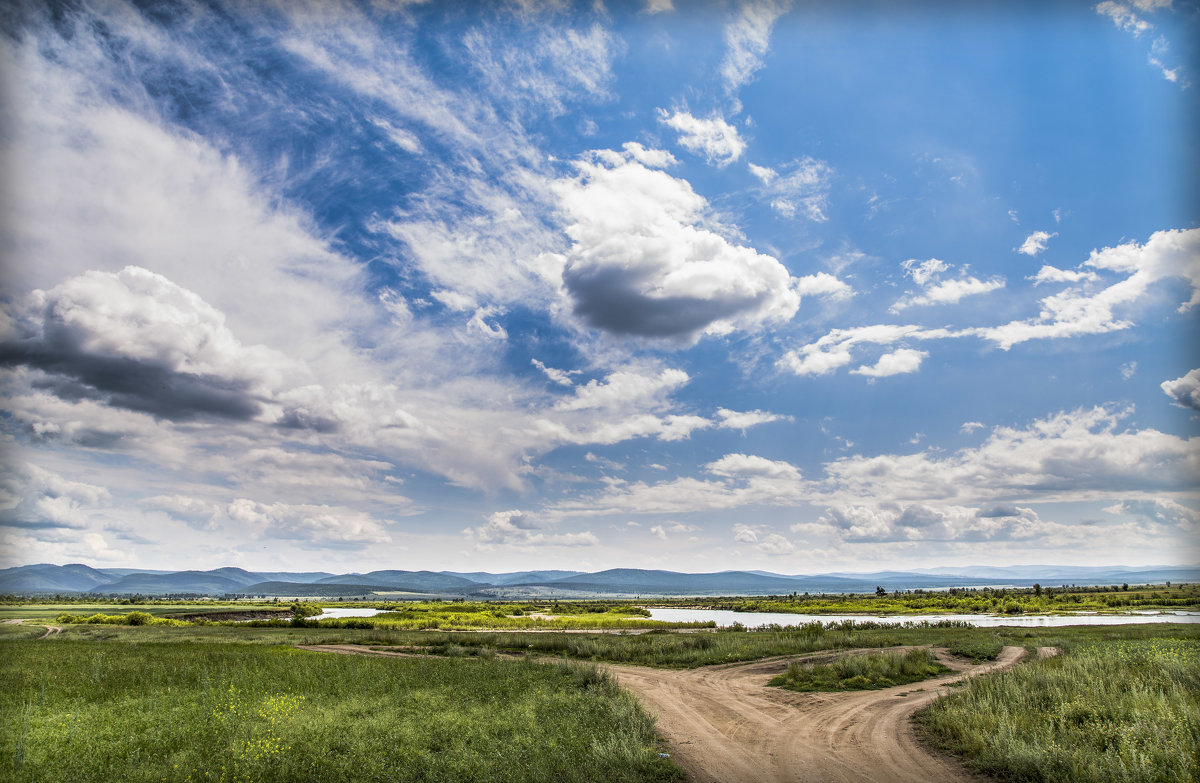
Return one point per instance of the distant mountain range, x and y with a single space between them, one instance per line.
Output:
77 578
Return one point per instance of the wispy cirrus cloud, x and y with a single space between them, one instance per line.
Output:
747 39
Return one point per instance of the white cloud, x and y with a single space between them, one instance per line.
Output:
752 466
836 348
935 291
662 532
136 340
454 300
492 329
1127 19
1035 243
799 188
642 263
713 138
1124 17
747 37
1163 512
1074 312
33 497
312 525
1128 370
652 159
1070 456
405 140
517 529
969 427
765 174
741 480
904 360
1050 274
949 292
561 377
764 541
550 66
620 390
1159 50
1167 255
823 284
743 420
1185 391
923 272
891 522
192 511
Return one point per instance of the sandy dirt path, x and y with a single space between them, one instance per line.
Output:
51 630
725 724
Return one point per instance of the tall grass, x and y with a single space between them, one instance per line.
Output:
1102 713
688 650
100 711
861 672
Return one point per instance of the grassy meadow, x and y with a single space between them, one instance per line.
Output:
139 695
104 711
1116 712
861 672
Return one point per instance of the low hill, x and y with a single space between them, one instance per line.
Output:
44 577
418 581
513 577
302 590
203 582
638 581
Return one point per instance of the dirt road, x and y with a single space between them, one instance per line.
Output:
51 630
724 724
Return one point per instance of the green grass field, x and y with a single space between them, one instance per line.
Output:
173 702
861 672
1118 712
107 711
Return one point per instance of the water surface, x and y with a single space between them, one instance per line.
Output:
348 612
724 618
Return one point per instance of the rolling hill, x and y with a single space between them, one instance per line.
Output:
77 578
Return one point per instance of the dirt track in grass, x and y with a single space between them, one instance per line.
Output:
725 724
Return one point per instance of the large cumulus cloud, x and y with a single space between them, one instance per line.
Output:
644 264
135 340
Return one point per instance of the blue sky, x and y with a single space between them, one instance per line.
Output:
791 286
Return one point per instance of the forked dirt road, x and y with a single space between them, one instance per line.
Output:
725 724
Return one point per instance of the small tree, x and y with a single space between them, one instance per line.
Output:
1037 590
879 591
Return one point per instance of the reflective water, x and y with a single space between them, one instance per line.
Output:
348 612
724 618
